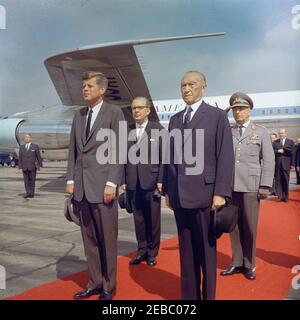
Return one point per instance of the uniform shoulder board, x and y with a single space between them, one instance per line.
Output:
257 125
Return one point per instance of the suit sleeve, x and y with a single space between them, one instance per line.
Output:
38 156
72 152
224 158
20 158
268 161
116 169
162 149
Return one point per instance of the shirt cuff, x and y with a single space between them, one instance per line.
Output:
111 184
70 182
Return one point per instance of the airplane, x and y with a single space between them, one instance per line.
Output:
50 126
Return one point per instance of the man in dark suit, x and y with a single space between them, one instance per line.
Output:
143 182
29 162
284 151
193 190
93 178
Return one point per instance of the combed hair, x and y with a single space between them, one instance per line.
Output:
201 75
101 79
146 100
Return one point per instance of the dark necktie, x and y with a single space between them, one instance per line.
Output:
241 130
88 124
187 117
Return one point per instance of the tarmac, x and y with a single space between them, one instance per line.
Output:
37 243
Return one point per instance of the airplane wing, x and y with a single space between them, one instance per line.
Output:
117 60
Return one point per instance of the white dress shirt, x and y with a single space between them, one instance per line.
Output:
140 129
194 106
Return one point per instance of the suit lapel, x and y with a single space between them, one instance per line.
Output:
98 120
198 117
83 124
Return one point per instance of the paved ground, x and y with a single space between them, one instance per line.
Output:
37 243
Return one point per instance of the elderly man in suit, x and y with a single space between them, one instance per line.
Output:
284 155
29 162
253 177
193 189
143 182
94 182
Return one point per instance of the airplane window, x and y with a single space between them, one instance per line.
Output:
278 110
264 112
271 111
295 110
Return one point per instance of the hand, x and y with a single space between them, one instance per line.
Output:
292 168
159 187
298 169
168 202
123 187
218 202
280 151
70 188
263 193
109 194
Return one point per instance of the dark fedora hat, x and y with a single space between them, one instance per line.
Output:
124 202
70 211
225 219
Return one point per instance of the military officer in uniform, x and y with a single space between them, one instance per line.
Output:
253 178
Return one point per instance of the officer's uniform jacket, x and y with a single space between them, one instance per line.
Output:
254 158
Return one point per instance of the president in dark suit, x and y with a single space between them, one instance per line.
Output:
193 189
93 177
143 181
29 162
284 152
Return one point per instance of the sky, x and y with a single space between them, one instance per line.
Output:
260 51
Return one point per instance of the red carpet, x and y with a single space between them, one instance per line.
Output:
278 250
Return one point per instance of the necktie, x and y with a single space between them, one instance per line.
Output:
88 124
187 117
241 130
140 133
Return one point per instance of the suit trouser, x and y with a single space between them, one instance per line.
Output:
297 177
282 178
243 238
147 216
99 230
197 247
29 181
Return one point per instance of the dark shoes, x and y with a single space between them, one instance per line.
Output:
231 270
86 293
28 196
250 274
107 295
138 259
151 261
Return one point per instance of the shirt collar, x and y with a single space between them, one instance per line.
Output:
245 125
97 107
195 106
143 125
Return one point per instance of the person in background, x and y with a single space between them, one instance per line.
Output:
284 153
30 161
